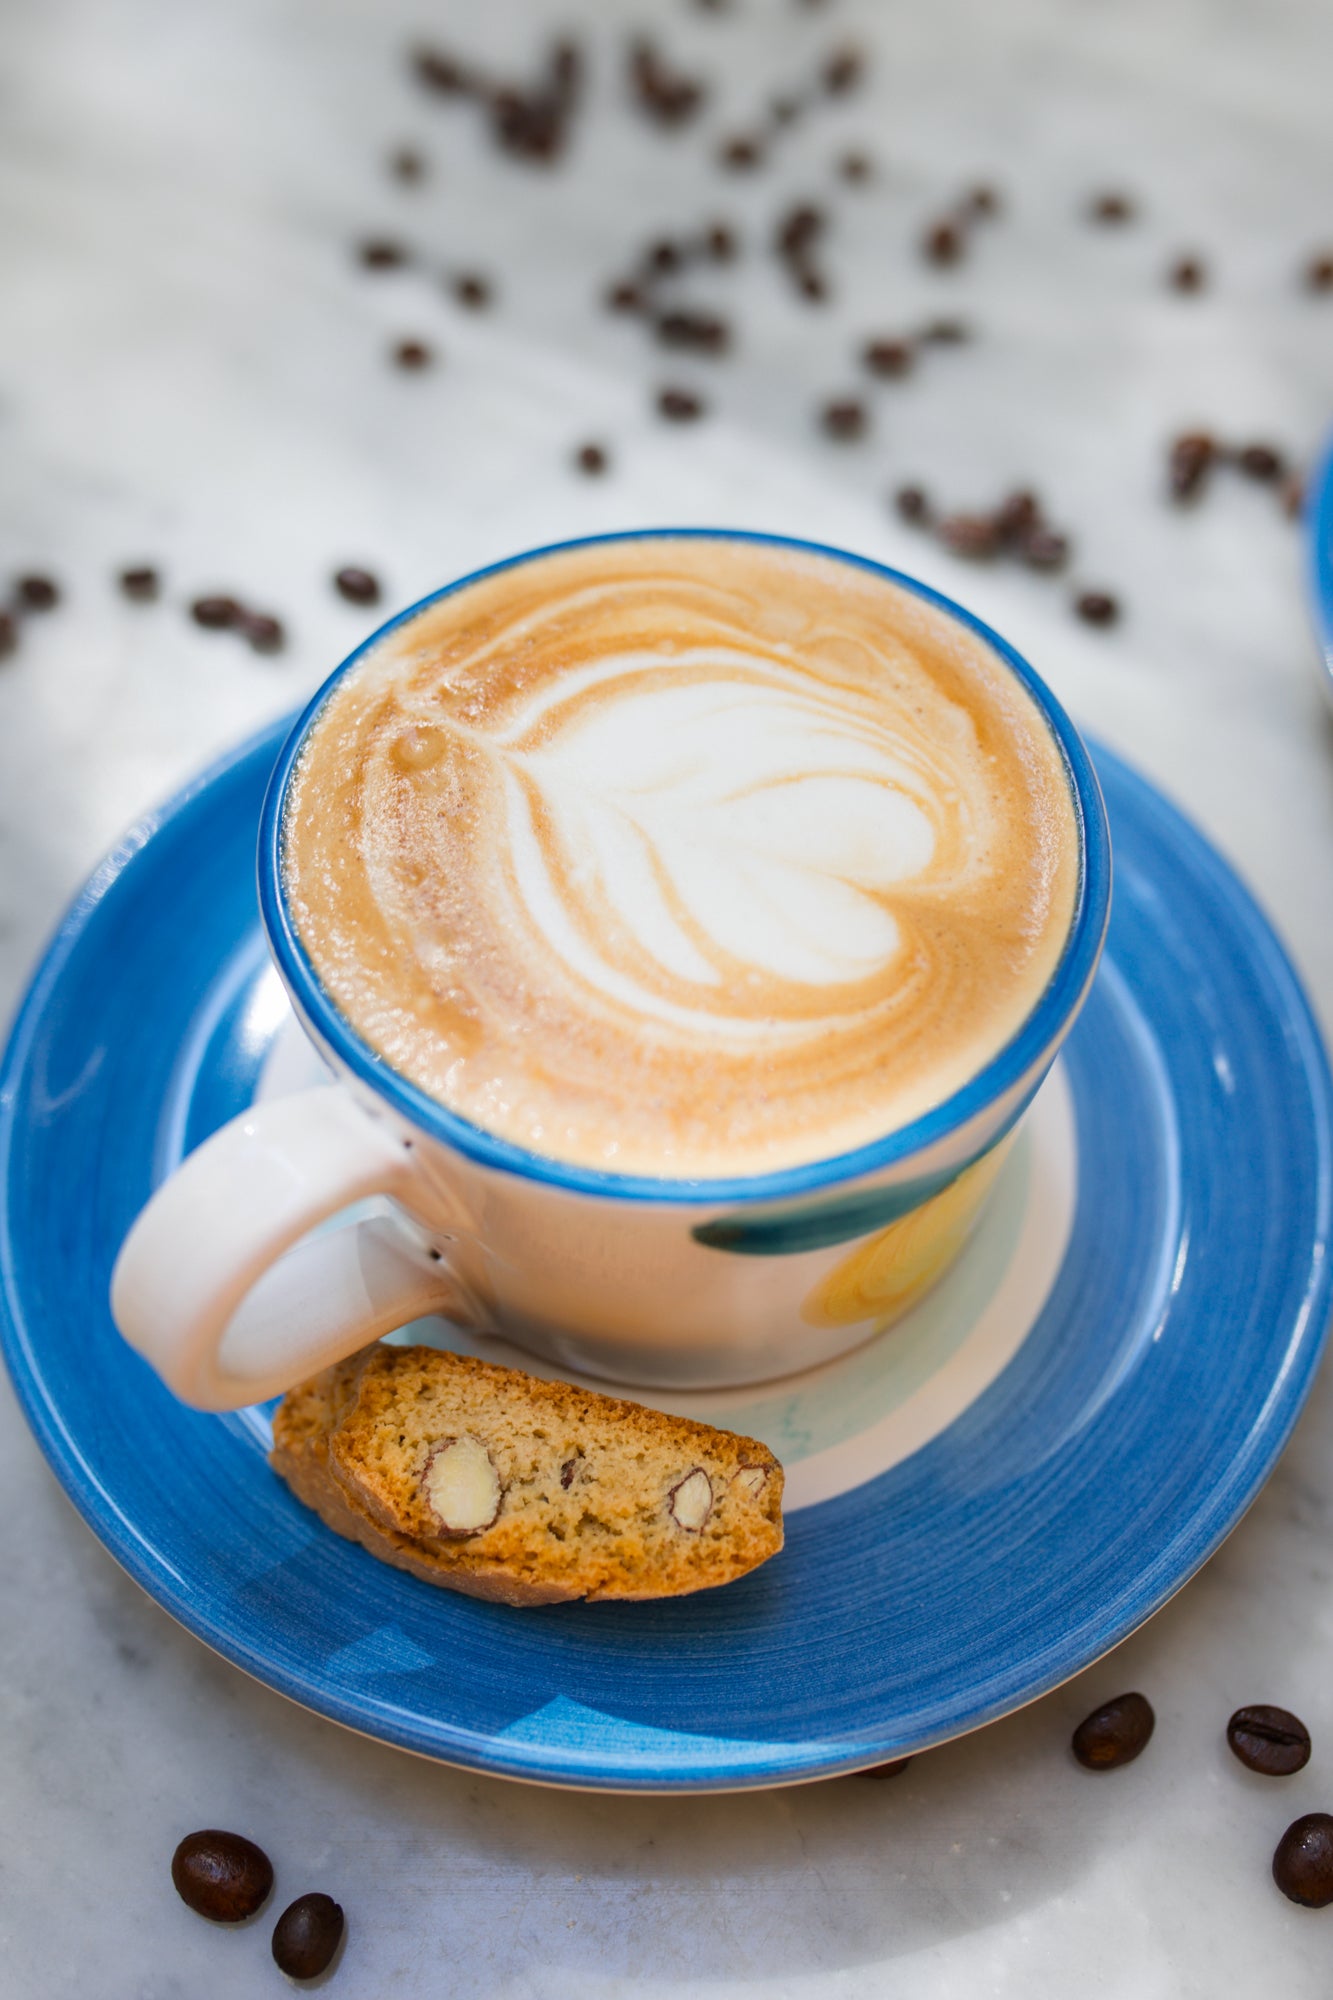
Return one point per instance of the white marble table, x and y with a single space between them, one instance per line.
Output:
191 371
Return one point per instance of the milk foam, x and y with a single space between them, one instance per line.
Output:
690 857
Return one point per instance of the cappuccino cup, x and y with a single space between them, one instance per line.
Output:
686 919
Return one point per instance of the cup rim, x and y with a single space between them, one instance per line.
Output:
1040 1030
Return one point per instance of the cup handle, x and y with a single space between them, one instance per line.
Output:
213 1284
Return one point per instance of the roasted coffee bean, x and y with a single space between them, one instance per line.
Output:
472 290
9 634
1261 461
222 1876
665 255
358 586
1111 208
37 593
975 536
306 1936
1116 1733
912 503
983 201
891 1770
625 298
1303 1861
1187 274
855 167
888 357
842 72
844 420
721 243
591 459
740 154
942 243
945 332
679 406
1042 548
810 285
666 95
1190 461
1319 273
406 164
1272 1741
141 583
441 73
799 228
412 354
216 614
1098 607
263 633
701 332
380 253
1017 515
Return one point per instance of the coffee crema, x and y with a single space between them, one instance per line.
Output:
682 856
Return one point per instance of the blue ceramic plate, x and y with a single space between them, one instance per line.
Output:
984 1500
1319 530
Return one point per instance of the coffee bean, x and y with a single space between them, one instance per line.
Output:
37 593
975 536
216 614
843 71
1116 1733
9 634
222 1876
412 354
591 459
1098 607
380 253
982 201
844 420
1187 274
799 228
1303 1861
406 164
358 586
1111 208
665 255
1017 515
1272 1741
887 357
945 332
265 634
855 167
306 1936
679 406
625 298
721 243
1044 549
740 154
1261 461
141 584
942 243
1190 461
668 96
472 290
701 332
441 73
1319 273
912 503
810 285
891 1770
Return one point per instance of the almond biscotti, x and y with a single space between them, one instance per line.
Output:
497 1484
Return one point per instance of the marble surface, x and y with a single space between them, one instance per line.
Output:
192 371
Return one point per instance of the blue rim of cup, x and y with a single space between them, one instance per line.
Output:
1319 533
1039 1033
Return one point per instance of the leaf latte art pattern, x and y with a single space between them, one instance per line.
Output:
682 857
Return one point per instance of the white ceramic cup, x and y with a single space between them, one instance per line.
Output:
229 1286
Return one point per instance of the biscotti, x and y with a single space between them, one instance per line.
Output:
500 1485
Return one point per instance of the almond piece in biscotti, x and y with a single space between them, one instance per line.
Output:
751 1480
691 1500
461 1485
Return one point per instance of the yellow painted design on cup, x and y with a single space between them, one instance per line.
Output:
888 1272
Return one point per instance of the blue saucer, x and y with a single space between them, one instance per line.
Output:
1104 1461
1319 542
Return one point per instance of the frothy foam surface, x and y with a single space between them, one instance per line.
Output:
683 857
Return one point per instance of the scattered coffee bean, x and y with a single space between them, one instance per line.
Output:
888 357
625 298
942 243
679 406
1187 274
665 255
976 536
799 228
1319 272
945 332
891 1770
844 419
9 634
721 243
855 167
1262 462
1190 461
37 593
1116 1733
1044 549
591 458
843 71
1272 1741
530 123
442 74
306 1936
1112 209
983 201
380 253
701 332
666 95
141 584
222 1876
740 154
216 614
358 586
264 633
1303 1861
811 286
1098 607
406 164
472 290
913 505
412 354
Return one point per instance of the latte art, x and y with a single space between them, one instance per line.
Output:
691 857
